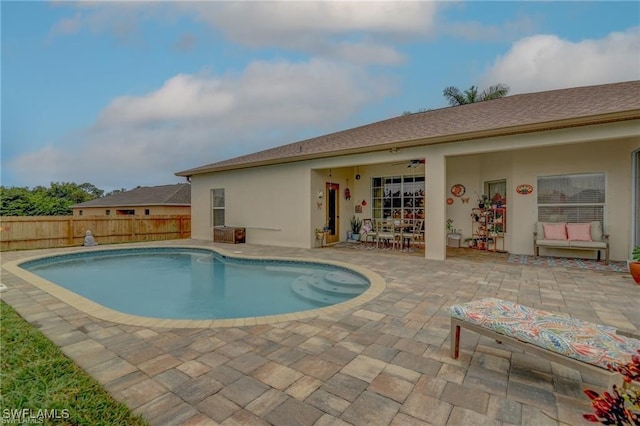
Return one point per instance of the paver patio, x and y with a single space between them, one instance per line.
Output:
385 362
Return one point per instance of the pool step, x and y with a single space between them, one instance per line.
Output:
316 289
344 279
291 269
308 293
331 288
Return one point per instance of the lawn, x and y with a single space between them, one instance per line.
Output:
40 385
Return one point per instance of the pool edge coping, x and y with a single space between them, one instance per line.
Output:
96 310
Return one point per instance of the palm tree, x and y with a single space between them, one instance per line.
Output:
456 97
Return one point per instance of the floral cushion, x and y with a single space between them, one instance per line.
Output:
591 343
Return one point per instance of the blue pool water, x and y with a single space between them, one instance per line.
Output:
197 283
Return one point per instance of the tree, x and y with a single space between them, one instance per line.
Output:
116 191
41 201
14 201
456 97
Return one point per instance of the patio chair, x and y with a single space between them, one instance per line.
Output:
368 231
416 234
386 232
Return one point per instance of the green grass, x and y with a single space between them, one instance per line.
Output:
35 375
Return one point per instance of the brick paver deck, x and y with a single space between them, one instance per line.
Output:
385 362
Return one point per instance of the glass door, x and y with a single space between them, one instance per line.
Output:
333 213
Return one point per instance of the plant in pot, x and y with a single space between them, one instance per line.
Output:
356 224
319 233
483 201
634 264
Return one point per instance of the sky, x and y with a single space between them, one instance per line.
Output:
125 94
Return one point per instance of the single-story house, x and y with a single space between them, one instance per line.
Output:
562 155
141 201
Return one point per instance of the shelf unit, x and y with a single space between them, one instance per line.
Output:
488 226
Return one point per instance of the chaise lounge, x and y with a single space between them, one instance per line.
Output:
586 347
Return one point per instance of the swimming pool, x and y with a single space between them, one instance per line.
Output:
198 284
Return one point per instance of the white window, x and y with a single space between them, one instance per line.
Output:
398 197
571 198
217 207
497 191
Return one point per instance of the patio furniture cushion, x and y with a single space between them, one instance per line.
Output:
579 231
595 344
555 231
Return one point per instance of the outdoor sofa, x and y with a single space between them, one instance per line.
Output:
576 236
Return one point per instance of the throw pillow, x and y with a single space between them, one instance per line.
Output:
579 231
555 231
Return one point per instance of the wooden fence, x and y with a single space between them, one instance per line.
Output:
35 232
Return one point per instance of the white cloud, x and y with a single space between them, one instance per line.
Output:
182 96
330 29
193 120
266 94
260 23
545 62
119 18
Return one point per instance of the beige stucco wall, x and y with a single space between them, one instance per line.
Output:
139 210
278 204
272 203
523 166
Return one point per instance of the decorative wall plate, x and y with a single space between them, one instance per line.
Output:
449 200
524 189
458 190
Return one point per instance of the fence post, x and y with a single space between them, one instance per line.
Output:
70 230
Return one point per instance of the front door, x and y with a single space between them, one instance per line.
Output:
333 213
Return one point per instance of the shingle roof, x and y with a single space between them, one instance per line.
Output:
178 194
522 113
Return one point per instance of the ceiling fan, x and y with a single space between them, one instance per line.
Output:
412 163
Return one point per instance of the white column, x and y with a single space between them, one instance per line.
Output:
435 206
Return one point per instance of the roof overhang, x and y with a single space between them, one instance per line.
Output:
458 137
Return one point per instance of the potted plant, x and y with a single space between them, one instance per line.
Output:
319 233
356 224
634 264
483 201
